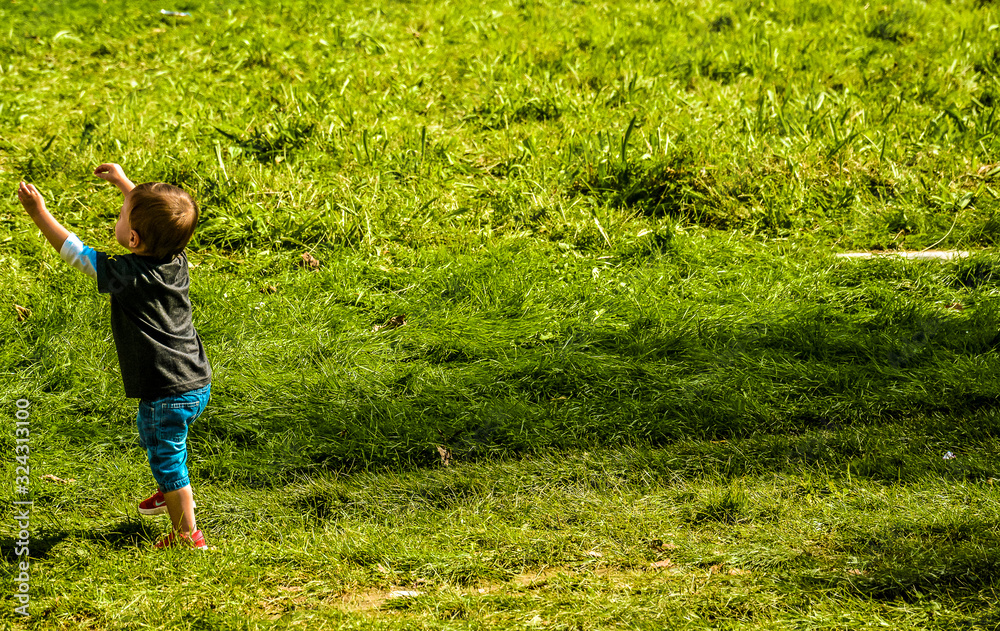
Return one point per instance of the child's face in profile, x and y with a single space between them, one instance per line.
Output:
123 229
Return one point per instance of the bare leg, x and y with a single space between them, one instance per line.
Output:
180 506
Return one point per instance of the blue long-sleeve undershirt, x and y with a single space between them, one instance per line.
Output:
79 256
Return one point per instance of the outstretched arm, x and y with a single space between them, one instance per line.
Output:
32 201
116 175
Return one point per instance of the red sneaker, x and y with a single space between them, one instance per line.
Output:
195 540
155 505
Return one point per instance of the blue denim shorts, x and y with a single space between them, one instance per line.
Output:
163 429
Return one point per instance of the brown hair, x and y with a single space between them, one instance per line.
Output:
164 216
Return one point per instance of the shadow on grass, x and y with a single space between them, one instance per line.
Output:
124 534
917 567
910 562
871 349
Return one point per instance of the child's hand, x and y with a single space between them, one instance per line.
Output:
111 172
31 199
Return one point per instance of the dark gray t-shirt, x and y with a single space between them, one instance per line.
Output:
159 351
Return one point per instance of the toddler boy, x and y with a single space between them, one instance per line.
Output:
160 354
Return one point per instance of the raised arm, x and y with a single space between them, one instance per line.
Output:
116 175
32 201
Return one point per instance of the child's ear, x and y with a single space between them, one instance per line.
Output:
133 239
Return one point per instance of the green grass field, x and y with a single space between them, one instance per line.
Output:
635 387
